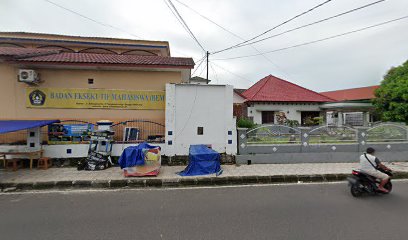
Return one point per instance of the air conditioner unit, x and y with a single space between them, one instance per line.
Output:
28 76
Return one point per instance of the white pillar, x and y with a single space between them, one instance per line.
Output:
34 138
340 119
366 119
170 125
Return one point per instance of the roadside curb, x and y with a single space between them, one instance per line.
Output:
201 181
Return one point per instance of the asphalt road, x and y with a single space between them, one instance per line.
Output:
305 211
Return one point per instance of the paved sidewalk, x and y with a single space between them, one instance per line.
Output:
232 174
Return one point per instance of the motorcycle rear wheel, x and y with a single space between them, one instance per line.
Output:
355 190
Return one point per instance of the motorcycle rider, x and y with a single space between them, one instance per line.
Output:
370 164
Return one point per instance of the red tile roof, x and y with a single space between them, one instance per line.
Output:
34 55
362 93
116 59
25 52
273 89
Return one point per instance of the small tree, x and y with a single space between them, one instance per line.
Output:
391 100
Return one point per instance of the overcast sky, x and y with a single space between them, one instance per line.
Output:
356 60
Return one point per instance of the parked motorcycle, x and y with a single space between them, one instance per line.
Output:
361 183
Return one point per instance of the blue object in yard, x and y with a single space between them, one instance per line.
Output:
202 161
133 156
17 125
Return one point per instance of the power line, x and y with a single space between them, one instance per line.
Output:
175 15
313 23
182 22
226 70
200 62
202 70
319 40
175 12
206 18
178 19
101 23
232 33
267 31
215 73
90 19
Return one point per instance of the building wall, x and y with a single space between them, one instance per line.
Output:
239 107
190 106
292 110
13 93
76 150
238 99
240 110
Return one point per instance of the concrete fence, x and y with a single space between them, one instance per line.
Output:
323 144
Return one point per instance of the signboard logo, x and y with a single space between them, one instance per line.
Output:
37 98
94 98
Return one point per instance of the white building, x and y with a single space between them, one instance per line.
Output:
352 107
272 97
199 114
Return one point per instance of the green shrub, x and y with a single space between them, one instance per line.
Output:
292 123
245 123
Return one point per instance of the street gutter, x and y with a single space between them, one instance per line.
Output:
201 181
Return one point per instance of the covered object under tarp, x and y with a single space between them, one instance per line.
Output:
7 126
202 161
141 160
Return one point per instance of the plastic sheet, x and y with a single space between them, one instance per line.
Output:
202 161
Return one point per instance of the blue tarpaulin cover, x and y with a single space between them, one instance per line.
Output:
201 161
17 125
133 156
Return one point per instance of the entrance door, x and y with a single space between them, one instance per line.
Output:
268 117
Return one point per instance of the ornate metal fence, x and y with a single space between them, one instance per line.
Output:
130 131
283 144
274 134
137 130
332 135
387 132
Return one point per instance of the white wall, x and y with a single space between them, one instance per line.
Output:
292 110
76 150
189 106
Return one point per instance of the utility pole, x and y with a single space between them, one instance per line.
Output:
208 54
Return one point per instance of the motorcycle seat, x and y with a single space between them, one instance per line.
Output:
365 174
